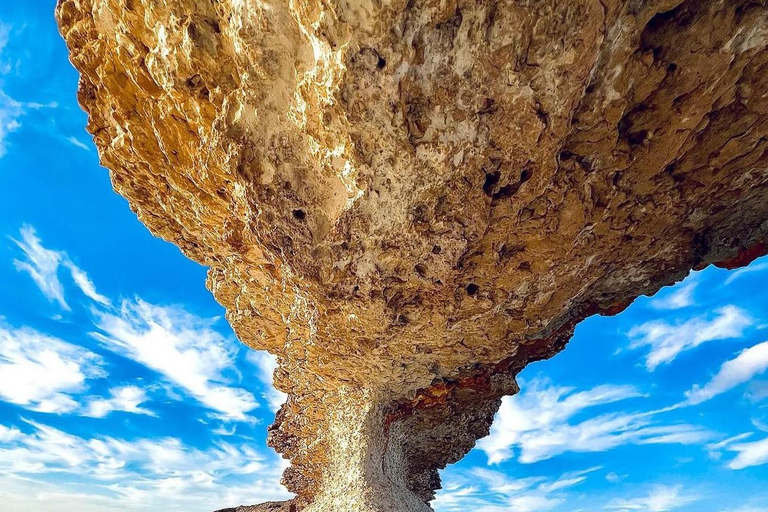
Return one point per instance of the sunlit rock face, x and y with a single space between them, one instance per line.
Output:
407 201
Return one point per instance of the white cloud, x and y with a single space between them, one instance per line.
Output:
122 399
221 430
533 503
267 364
661 498
40 372
75 141
8 434
667 341
539 424
85 284
749 363
749 454
141 474
10 112
679 296
714 447
494 491
43 264
757 267
182 347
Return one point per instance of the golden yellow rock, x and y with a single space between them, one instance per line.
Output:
407 201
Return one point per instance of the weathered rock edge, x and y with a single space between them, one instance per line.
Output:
407 201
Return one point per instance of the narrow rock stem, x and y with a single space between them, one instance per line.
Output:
366 470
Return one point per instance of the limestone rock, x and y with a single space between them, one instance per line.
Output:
271 506
407 201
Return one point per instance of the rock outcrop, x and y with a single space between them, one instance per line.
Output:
407 201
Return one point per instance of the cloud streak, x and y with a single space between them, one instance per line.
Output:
493 491
153 474
182 347
661 498
666 341
680 296
122 399
749 454
41 373
749 363
542 422
42 265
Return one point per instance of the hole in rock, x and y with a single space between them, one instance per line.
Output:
491 179
299 214
637 138
472 289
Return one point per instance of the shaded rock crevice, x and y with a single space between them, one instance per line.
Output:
408 201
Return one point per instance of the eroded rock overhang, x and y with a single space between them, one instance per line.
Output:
408 201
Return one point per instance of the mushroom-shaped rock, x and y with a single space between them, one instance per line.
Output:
407 201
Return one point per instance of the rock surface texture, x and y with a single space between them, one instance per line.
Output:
407 201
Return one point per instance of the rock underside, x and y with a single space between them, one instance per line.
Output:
408 201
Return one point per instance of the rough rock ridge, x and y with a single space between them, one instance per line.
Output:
407 201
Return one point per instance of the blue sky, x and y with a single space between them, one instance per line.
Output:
122 387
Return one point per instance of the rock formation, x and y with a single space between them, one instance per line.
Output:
407 201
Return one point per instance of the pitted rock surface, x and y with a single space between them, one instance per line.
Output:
407 201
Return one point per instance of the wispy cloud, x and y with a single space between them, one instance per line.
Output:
5 31
42 265
148 474
542 422
614 477
76 142
749 454
660 498
494 491
182 347
749 363
85 284
11 112
678 297
122 399
41 373
8 434
666 340
266 364
736 274
720 445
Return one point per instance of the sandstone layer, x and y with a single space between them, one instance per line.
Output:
407 201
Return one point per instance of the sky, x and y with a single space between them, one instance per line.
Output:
122 388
